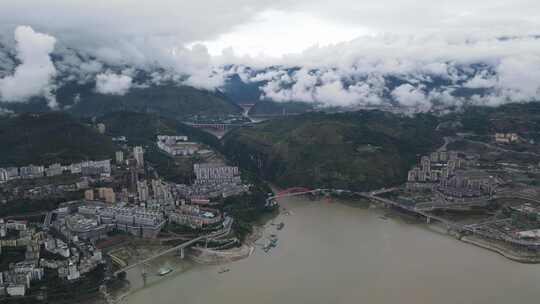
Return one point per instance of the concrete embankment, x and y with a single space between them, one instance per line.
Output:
213 257
507 253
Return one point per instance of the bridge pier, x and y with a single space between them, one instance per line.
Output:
428 219
181 253
144 274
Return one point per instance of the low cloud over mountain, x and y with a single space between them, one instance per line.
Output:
411 71
115 84
35 71
413 53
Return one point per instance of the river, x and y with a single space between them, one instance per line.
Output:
336 253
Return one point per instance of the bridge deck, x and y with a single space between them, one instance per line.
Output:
181 246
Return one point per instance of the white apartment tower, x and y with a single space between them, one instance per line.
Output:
143 191
138 153
119 157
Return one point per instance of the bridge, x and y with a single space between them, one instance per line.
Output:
217 126
227 227
412 209
295 191
432 206
374 196
479 229
424 209
180 247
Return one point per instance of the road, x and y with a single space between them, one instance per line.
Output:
500 149
447 140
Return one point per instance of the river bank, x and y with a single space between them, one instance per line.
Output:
195 258
383 218
506 252
337 253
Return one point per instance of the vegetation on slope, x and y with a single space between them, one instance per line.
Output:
520 118
48 138
356 150
248 209
142 129
168 100
268 107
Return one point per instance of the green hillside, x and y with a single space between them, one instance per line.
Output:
521 118
168 100
172 101
357 150
49 138
142 129
272 108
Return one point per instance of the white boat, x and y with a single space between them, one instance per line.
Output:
164 271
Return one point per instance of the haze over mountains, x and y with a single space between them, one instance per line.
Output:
437 59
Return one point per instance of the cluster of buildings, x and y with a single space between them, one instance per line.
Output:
70 263
80 224
468 183
86 168
451 175
119 139
195 217
437 166
45 191
157 192
212 180
70 232
506 138
18 278
93 221
211 173
177 145
103 193
78 259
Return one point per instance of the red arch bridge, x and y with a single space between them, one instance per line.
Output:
294 192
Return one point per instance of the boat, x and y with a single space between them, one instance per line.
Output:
280 226
165 271
266 246
224 270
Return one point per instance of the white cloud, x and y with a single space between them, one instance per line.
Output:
519 77
33 76
113 84
341 52
410 96
4 112
335 94
480 81
432 66
205 80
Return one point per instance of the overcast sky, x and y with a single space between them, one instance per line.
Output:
271 27
195 37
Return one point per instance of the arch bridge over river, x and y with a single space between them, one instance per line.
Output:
423 210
